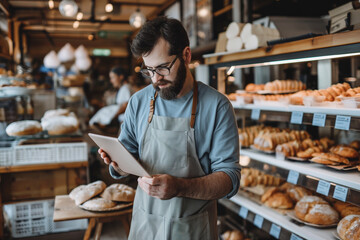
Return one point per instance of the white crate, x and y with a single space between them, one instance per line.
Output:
49 153
36 218
6 156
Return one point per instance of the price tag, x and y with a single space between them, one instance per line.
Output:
319 119
295 237
255 114
323 187
293 177
342 122
243 212
258 221
296 117
275 231
340 193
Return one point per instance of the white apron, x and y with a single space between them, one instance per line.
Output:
168 147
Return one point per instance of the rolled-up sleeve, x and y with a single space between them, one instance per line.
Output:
224 154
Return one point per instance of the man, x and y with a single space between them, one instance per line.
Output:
186 138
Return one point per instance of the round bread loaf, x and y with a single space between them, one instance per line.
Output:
83 193
296 193
233 235
98 204
279 200
25 127
60 124
313 209
119 192
349 227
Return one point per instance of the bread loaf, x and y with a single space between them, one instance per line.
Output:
345 151
296 193
22 128
83 193
315 210
349 227
279 200
355 144
98 204
119 192
233 235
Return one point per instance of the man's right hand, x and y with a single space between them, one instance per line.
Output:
107 161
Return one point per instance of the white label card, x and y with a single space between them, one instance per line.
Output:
258 221
295 237
243 212
255 114
342 122
319 119
296 117
323 187
275 231
293 177
340 193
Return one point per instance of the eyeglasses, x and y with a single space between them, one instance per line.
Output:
162 70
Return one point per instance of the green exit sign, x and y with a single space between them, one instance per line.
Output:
101 52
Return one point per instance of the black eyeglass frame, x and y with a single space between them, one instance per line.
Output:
156 69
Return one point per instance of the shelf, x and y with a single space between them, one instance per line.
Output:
322 47
41 167
3 56
310 174
272 217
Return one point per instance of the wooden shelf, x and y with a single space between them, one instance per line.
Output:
3 56
40 167
331 44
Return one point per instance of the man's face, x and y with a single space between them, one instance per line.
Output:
168 86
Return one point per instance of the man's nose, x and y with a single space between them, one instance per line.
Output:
157 77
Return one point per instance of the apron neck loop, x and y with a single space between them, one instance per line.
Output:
193 109
194 104
152 107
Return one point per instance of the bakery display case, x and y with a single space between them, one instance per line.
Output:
335 182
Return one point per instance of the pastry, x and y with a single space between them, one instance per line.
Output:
25 127
345 151
315 210
60 124
83 193
269 193
349 228
119 192
332 157
279 200
98 204
56 112
324 161
296 193
233 235
355 144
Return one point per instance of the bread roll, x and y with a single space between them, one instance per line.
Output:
315 210
279 200
83 193
22 128
119 192
349 227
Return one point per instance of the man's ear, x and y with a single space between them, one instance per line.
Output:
187 55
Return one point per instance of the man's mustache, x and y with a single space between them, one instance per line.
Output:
161 82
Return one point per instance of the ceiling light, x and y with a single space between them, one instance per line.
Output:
51 4
76 24
137 19
68 8
79 16
109 7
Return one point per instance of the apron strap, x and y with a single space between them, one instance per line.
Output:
193 109
194 104
152 108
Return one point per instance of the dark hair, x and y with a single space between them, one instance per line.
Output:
161 27
119 71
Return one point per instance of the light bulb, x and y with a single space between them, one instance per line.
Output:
79 16
76 24
68 8
51 4
137 19
109 7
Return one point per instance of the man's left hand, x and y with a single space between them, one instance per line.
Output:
160 186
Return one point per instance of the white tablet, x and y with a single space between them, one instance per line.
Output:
119 154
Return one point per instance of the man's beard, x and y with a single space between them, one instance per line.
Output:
175 87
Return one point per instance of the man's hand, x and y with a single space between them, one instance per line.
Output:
160 186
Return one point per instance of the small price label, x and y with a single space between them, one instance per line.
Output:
295 237
342 122
340 193
255 114
275 231
258 221
243 212
319 119
296 117
293 177
323 187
